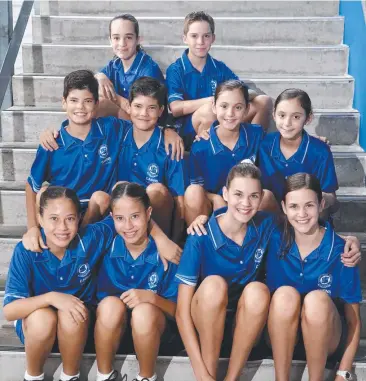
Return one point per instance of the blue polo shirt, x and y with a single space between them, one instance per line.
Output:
120 272
150 164
322 269
85 166
143 65
216 254
210 161
185 82
31 274
313 157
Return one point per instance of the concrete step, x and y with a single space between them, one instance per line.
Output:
351 215
16 159
18 124
12 365
182 8
283 31
265 61
325 92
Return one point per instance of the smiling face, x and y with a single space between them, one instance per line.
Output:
123 39
243 198
131 220
290 119
303 209
60 223
199 39
80 106
145 112
230 109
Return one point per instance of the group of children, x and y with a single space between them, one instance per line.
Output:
99 259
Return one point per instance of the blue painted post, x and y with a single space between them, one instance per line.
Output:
355 38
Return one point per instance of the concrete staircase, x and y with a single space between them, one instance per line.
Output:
271 45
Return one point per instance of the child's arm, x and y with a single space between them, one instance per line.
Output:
180 108
134 297
352 312
351 256
30 200
21 308
106 88
188 332
167 249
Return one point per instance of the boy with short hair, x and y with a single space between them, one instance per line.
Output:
193 78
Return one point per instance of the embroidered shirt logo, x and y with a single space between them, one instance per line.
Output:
84 272
103 151
153 170
153 280
258 255
325 280
213 85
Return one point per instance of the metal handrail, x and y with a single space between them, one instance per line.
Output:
7 67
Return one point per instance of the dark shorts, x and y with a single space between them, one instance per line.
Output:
89 346
170 341
299 351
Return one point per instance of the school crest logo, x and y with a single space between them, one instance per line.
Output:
84 272
153 170
325 280
153 280
258 255
103 151
213 85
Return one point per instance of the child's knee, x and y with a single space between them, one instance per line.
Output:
255 298
111 313
40 325
263 103
159 195
101 199
145 318
67 324
194 195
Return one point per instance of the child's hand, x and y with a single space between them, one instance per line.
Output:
106 88
205 134
176 142
169 252
352 252
197 226
32 240
47 140
71 305
133 297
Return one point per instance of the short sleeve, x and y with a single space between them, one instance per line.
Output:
19 275
350 285
104 233
107 70
195 170
40 169
175 177
190 262
228 73
174 83
169 289
327 174
262 161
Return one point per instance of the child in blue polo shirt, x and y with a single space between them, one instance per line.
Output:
51 294
133 288
129 63
193 78
313 291
291 150
143 158
226 263
230 142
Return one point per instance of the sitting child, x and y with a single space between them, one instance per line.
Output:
230 142
193 78
143 159
291 150
129 63
134 291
